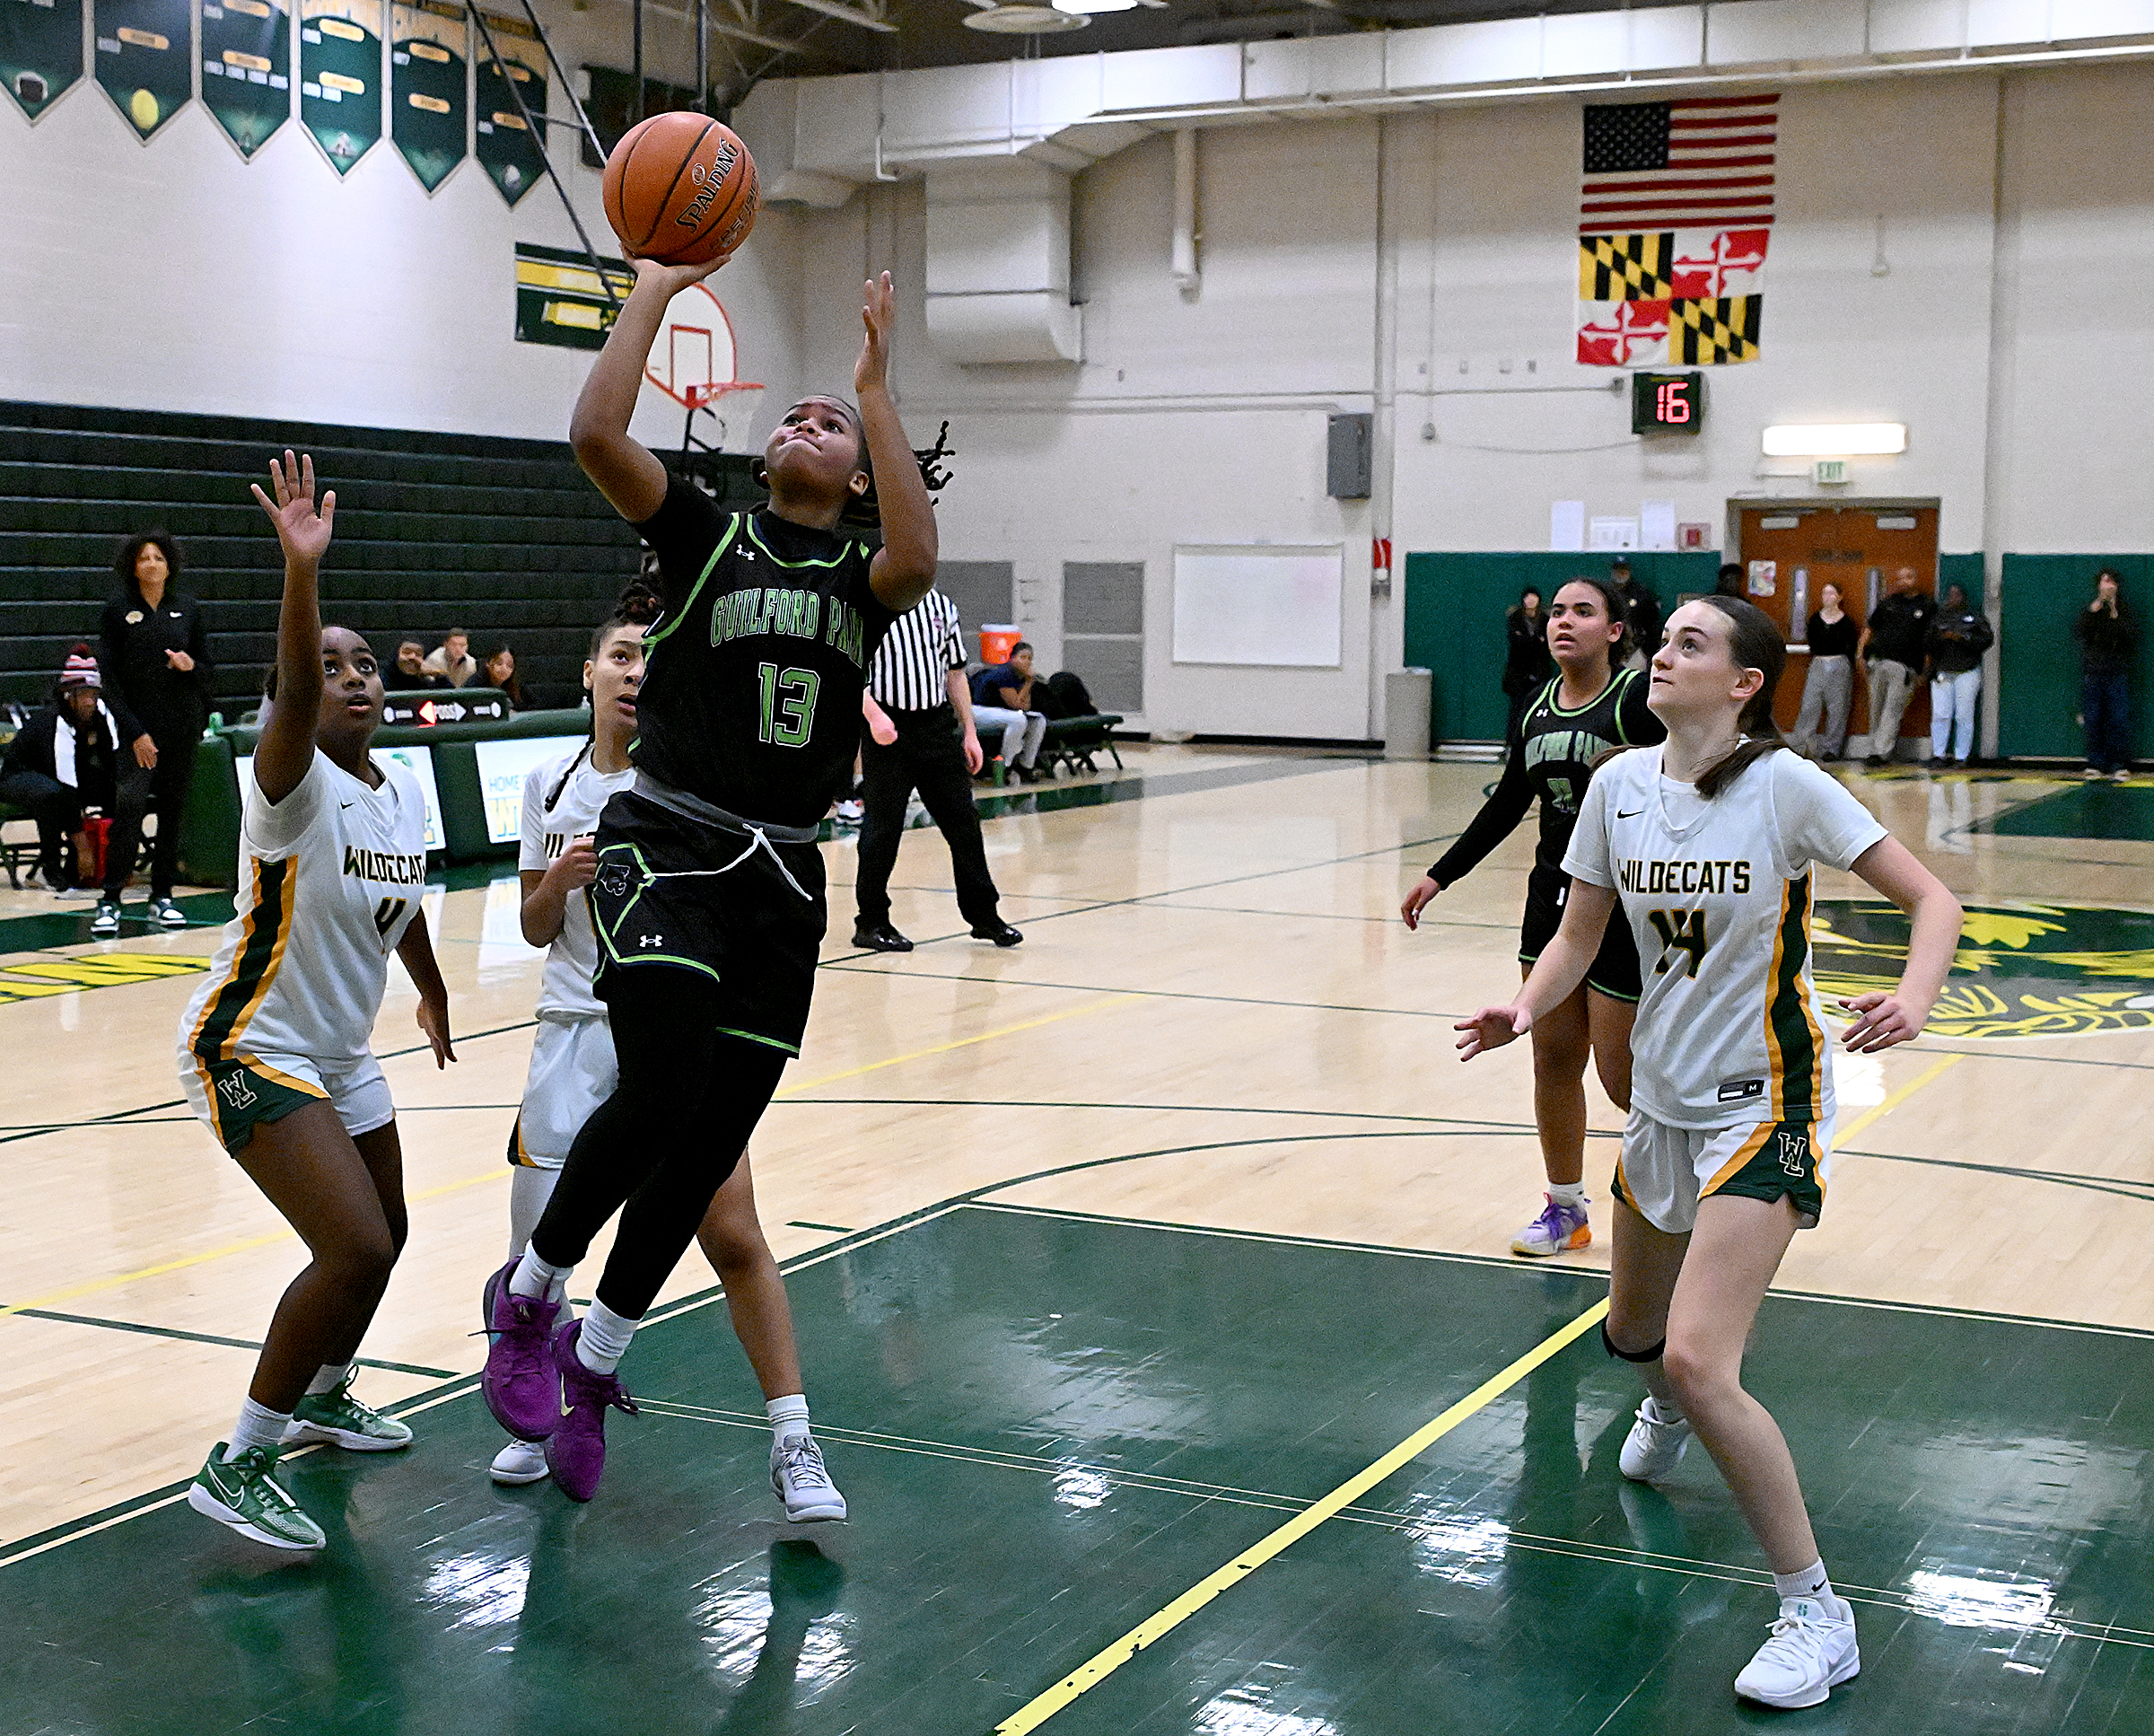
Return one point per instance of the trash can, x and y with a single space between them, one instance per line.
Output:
1408 694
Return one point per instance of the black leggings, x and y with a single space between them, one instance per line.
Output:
658 1149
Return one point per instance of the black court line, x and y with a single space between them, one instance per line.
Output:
214 1338
835 1229
464 1386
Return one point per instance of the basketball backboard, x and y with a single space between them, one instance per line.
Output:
694 361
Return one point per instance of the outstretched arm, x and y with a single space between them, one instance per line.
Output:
1885 1019
904 566
286 748
1555 976
626 470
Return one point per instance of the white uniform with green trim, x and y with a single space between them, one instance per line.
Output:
1731 1032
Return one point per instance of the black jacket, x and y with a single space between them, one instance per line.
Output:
96 753
2106 641
1899 629
1957 640
1642 614
1527 664
140 685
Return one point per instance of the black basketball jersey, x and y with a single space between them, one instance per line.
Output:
753 674
1553 760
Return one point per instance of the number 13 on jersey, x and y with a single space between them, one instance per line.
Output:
789 699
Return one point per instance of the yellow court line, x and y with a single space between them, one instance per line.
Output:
53 1298
1099 1006
1148 1631
1892 1102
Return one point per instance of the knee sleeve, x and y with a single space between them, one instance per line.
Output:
1609 1344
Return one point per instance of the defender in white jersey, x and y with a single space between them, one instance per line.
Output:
573 1068
1714 842
274 1048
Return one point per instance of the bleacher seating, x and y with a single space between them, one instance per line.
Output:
433 530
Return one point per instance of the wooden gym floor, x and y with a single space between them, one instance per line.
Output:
1168 1243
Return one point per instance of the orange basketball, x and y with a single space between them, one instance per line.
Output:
680 189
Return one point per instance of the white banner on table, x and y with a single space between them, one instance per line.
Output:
503 768
417 761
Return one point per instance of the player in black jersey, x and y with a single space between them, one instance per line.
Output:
707 896
1593 704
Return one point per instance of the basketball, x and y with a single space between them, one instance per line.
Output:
680 189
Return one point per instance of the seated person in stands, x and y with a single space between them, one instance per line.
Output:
409 673
1002 698
452 658
67 758
501 672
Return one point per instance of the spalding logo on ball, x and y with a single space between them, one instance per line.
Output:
680 189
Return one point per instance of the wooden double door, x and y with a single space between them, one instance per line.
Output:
1790 552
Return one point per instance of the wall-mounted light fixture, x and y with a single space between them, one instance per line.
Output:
1834 439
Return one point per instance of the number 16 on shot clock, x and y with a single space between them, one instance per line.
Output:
1666 403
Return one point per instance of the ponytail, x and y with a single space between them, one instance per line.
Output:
1753 643
639 605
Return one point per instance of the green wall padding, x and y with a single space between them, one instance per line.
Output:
2038 702
1453 627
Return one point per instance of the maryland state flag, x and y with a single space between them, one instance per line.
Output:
1675 211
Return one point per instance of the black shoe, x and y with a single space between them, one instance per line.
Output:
1001 934
879 937
1873 760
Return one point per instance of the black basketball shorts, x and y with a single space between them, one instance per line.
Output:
1613 971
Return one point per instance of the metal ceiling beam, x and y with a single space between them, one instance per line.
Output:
850 14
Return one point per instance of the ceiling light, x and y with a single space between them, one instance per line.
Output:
1021 19
1085 8
1834 439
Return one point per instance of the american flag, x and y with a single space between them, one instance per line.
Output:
1701 163
1675 211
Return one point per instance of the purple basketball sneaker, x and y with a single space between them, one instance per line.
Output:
576 1451
522 1388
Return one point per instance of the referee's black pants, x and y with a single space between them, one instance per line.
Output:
928 756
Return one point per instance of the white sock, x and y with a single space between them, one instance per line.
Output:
1570 1197
259 1426
534 1277
604 1338
529 1190
1664 1412
329 1378
788 1416
1810 1583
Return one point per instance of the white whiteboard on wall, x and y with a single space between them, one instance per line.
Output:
1259 604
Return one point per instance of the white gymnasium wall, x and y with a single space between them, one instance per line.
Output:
2012 330
172 275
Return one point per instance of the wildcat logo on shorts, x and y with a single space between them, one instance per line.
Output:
2023 969
237 1094
1795 1154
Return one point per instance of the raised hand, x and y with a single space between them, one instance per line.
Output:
878 311
669 280
1492 1027
303 529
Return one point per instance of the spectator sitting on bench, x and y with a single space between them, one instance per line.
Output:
410 673
67 758
1003 698
501 672
452 658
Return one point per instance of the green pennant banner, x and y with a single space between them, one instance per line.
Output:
40 50
246 69
429 55
505 148
144 48
340 76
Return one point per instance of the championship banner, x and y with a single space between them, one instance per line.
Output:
506 150
559 299
40 50
340 76
143 50
429 112
246 58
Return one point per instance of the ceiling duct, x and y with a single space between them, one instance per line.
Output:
998 263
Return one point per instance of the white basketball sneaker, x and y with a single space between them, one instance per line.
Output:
1810 1651
519 1462
1654 1446
799 1478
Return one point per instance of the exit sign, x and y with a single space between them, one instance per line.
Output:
1666 403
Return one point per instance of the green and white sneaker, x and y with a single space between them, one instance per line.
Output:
243 1494
335 1416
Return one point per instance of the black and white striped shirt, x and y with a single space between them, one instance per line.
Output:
910 671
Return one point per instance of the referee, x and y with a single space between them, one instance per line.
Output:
918 679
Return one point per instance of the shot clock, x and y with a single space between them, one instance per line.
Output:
1668 403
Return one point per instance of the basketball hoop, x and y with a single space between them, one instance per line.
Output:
693 360
702 397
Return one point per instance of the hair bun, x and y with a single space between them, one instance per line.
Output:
640 604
